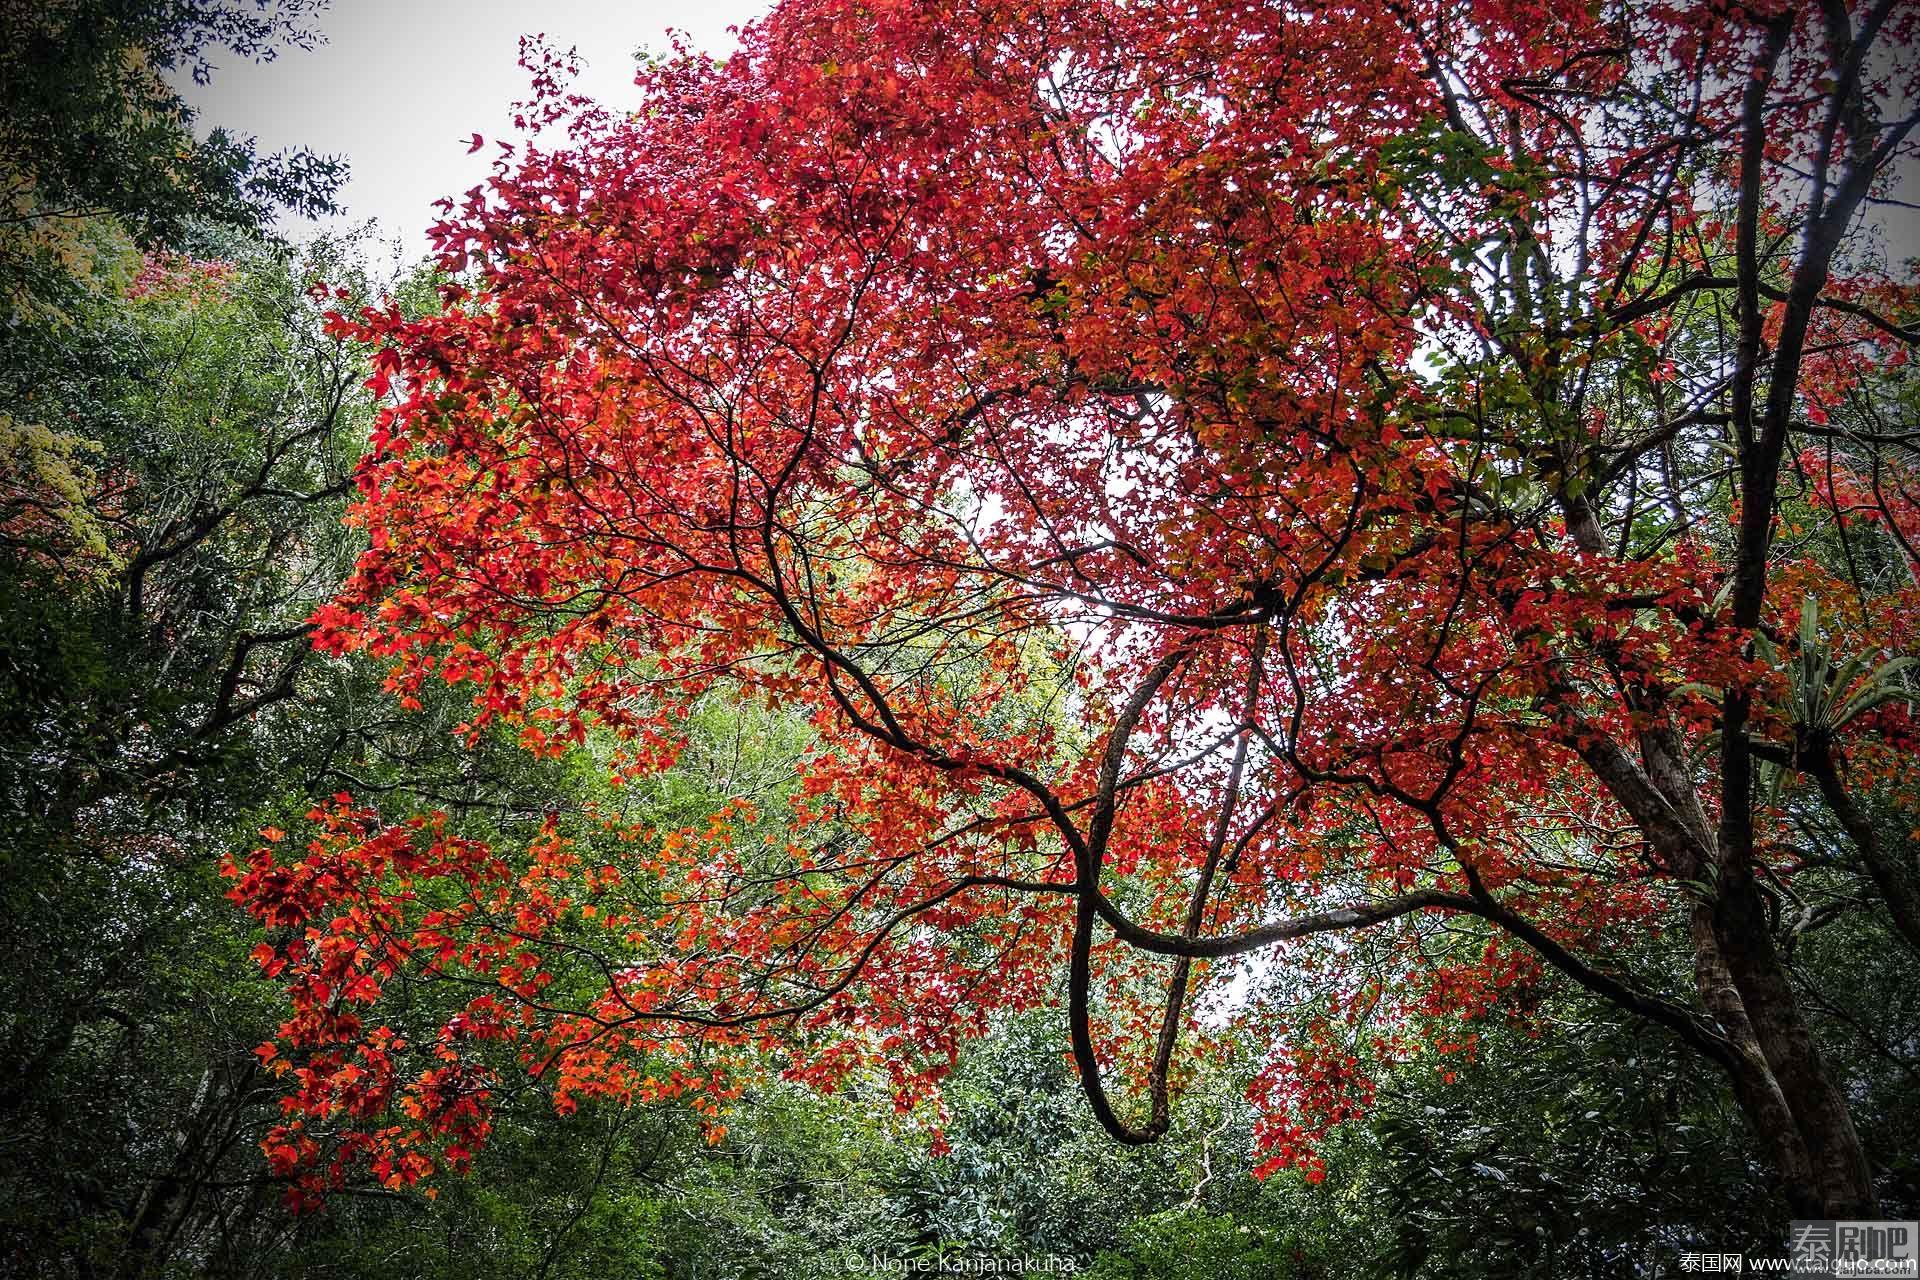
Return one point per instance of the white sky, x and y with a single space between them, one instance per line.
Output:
401 86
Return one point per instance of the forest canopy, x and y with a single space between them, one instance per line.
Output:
1204 639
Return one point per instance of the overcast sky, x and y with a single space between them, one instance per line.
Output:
401 86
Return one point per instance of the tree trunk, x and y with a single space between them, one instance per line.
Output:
1779 1077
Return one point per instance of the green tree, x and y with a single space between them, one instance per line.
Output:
93 136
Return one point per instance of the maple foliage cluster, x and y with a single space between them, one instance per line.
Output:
1210 476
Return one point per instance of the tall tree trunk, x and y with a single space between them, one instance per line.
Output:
1839 1180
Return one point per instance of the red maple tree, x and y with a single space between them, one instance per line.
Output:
1213 476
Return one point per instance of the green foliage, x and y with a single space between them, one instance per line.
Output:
568 1199
1182 1244
1588 1153
1027 1174
90 128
